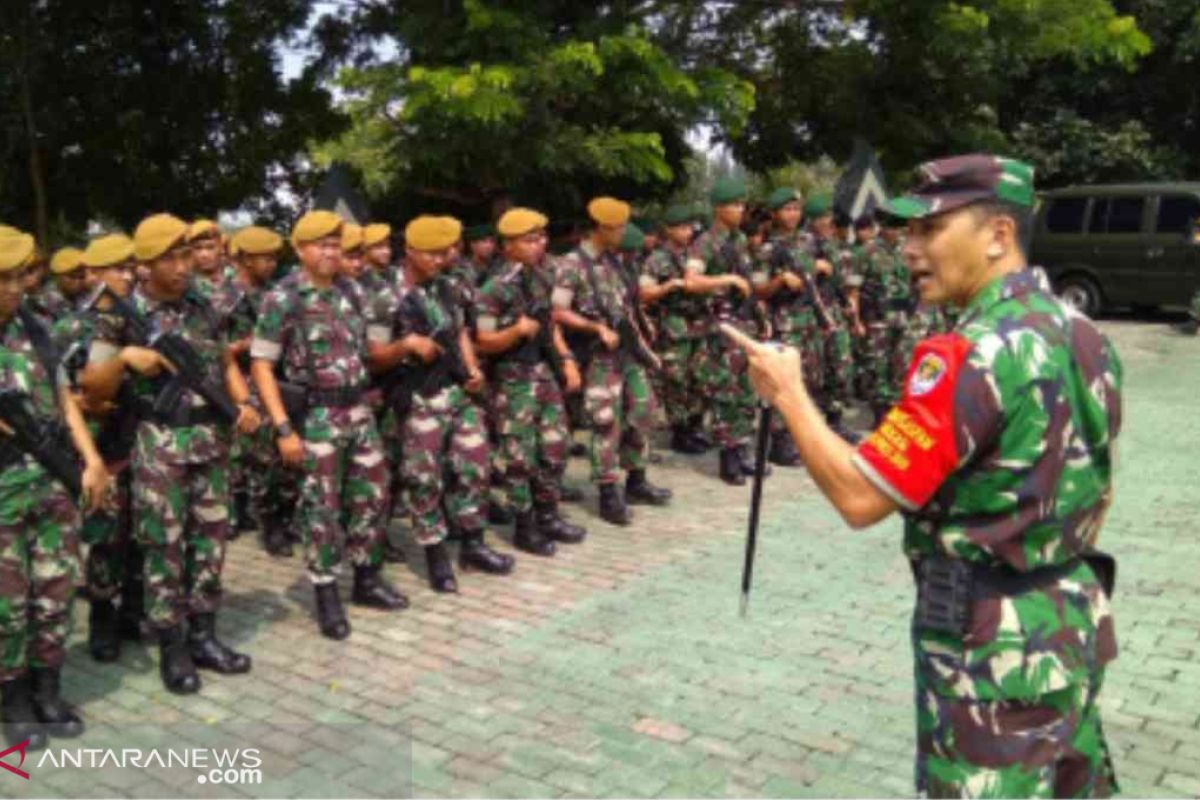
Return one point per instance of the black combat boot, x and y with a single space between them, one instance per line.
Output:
682 441
783 450
209 652
48 706
441 571
569 494
245 519
554 527
499 513
331 617
731 467
527 536
639 491
276 539
475 554
371 590
175 664
612 505
748 462
696 433
20 722
103 641
133 596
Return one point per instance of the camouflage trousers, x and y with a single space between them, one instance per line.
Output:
837 361
681 398
1053 747
445 466
873 365
111 558
800 329
621 405
344 491
721 375
272 490
39 567
182 513
531 422
390 425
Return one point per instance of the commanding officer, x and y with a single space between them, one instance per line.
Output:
311 328
39 525
681 328
592 297
180 454
1022 402
514 327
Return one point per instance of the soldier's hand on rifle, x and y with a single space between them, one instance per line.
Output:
528 327
793 281
739 283
571 376
95 481
609 337
291 450
424 347
824 267
248 419
240 346
145 361
475 382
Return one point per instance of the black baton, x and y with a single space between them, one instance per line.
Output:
760 465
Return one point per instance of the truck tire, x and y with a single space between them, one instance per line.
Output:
1081 293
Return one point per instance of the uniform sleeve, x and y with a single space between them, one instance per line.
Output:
107 339
406 317
946 409
381 313
489 306
567 285
268 331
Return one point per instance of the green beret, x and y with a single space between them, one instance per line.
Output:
633 240
727 190
678 215
781 197
474 233
819 204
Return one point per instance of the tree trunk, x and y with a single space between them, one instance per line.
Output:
36 178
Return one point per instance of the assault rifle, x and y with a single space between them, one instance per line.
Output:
46 440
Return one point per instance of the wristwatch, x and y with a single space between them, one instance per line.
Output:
284 429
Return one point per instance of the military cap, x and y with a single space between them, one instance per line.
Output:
951 183
819 204
645 222
202 227
315 225
352 237
16 249
156 235
781 197
633 240
9 230
678 215
520 221
608 211
473 233
106 251
66 259
432 233
376 233
727 190
256 240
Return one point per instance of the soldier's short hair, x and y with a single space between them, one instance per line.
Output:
1022 217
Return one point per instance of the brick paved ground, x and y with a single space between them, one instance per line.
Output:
621 668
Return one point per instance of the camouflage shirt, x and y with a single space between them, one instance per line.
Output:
872 264
599 299
1000 451
680 315
49 304
514 290
784 252
897 281
21 369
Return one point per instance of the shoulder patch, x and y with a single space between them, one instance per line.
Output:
928 372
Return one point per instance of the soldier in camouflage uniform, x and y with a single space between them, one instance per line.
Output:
309 326
1021 402
530 417
682 328
180 453
66 289
208 250
481 257
872 347
899 303
719 263
419 329
592 296
39 524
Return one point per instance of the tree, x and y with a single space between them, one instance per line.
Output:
117 108
539 102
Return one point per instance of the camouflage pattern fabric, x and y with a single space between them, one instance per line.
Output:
681 331
39 525
837 359
318 336
527 401
1021 402
49 304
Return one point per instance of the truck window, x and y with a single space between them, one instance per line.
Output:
1120 215
1065 215
1176 214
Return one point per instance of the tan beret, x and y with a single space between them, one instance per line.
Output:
520 221
66 259
256 240
203 227
107 251
352 237
156 235
608 211
432 233
376 233
16 249
315 225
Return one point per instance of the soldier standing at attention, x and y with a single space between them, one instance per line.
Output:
482 255
39 524
1021 402
531 419
68 285
310 327
208 251
592 297
180 455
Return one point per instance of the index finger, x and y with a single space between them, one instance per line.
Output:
741 340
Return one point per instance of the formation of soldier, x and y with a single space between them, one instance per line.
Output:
206 390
